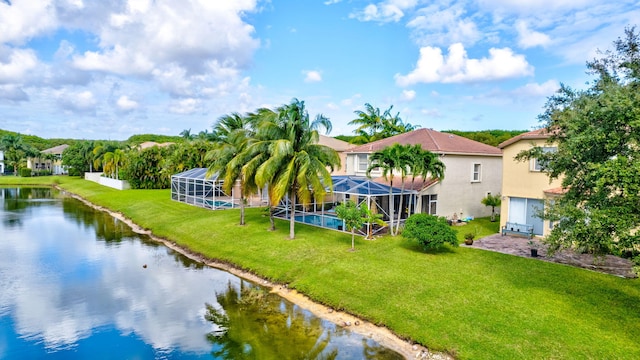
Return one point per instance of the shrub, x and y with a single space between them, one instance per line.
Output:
430 231
25 172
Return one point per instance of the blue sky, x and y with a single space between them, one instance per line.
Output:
91 69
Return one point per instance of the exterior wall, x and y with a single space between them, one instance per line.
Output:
113 183
519 180
458 194
351 161
93 176
1 162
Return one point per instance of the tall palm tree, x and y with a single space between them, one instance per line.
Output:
370 122
425 164
232 133
295 165
113 162
394 158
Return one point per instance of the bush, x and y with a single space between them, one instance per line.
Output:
430 231
25 172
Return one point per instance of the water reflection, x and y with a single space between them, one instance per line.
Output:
73 284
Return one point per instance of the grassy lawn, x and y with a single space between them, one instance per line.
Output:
474 304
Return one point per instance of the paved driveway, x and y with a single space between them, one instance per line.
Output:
516 245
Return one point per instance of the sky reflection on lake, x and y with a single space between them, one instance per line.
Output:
74 282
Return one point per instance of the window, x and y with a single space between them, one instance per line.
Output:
476 175
539 165
363 162
430 204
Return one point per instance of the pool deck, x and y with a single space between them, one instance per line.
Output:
515 245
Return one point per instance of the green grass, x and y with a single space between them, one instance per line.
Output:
474 304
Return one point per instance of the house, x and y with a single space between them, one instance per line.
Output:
525 187
340 147
148 144
49 161
1 162
473 170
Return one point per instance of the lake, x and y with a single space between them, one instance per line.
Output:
77 283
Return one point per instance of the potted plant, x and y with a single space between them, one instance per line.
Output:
468 238
533 246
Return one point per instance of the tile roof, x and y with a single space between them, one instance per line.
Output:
419 183
335 144
538 134
555 191
57 150
433 141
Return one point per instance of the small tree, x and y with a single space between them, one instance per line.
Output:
371 218
430 231
493 201
353 217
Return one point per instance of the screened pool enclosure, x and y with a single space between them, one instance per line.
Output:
195 188
361 190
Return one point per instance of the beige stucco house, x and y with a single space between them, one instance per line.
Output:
525 188
473 170
53 164
341 147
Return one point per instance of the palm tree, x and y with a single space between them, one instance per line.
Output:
112 162
233 133
390 159
295 165
370 123
493 201
186 134
425 164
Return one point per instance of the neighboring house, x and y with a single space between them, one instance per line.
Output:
525 188
148 144
341 147
473 170
1 162
51 160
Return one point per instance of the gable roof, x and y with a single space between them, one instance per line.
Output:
335 144
434 141
56 150
538 134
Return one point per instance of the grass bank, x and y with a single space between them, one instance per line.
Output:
474 304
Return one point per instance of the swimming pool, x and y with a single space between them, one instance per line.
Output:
325 221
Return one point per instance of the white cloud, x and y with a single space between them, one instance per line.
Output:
435 26
312 76
456 67
12 93
83 102
15 63
23 20
528 38
185 106
385 11
538 90
408 95
331 2
124 103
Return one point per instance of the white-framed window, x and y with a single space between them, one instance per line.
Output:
538 165
363 162
430 204
476 173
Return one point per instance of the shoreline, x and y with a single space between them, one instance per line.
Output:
380 334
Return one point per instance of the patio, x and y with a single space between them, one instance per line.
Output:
518 246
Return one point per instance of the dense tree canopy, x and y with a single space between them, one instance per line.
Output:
597 134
